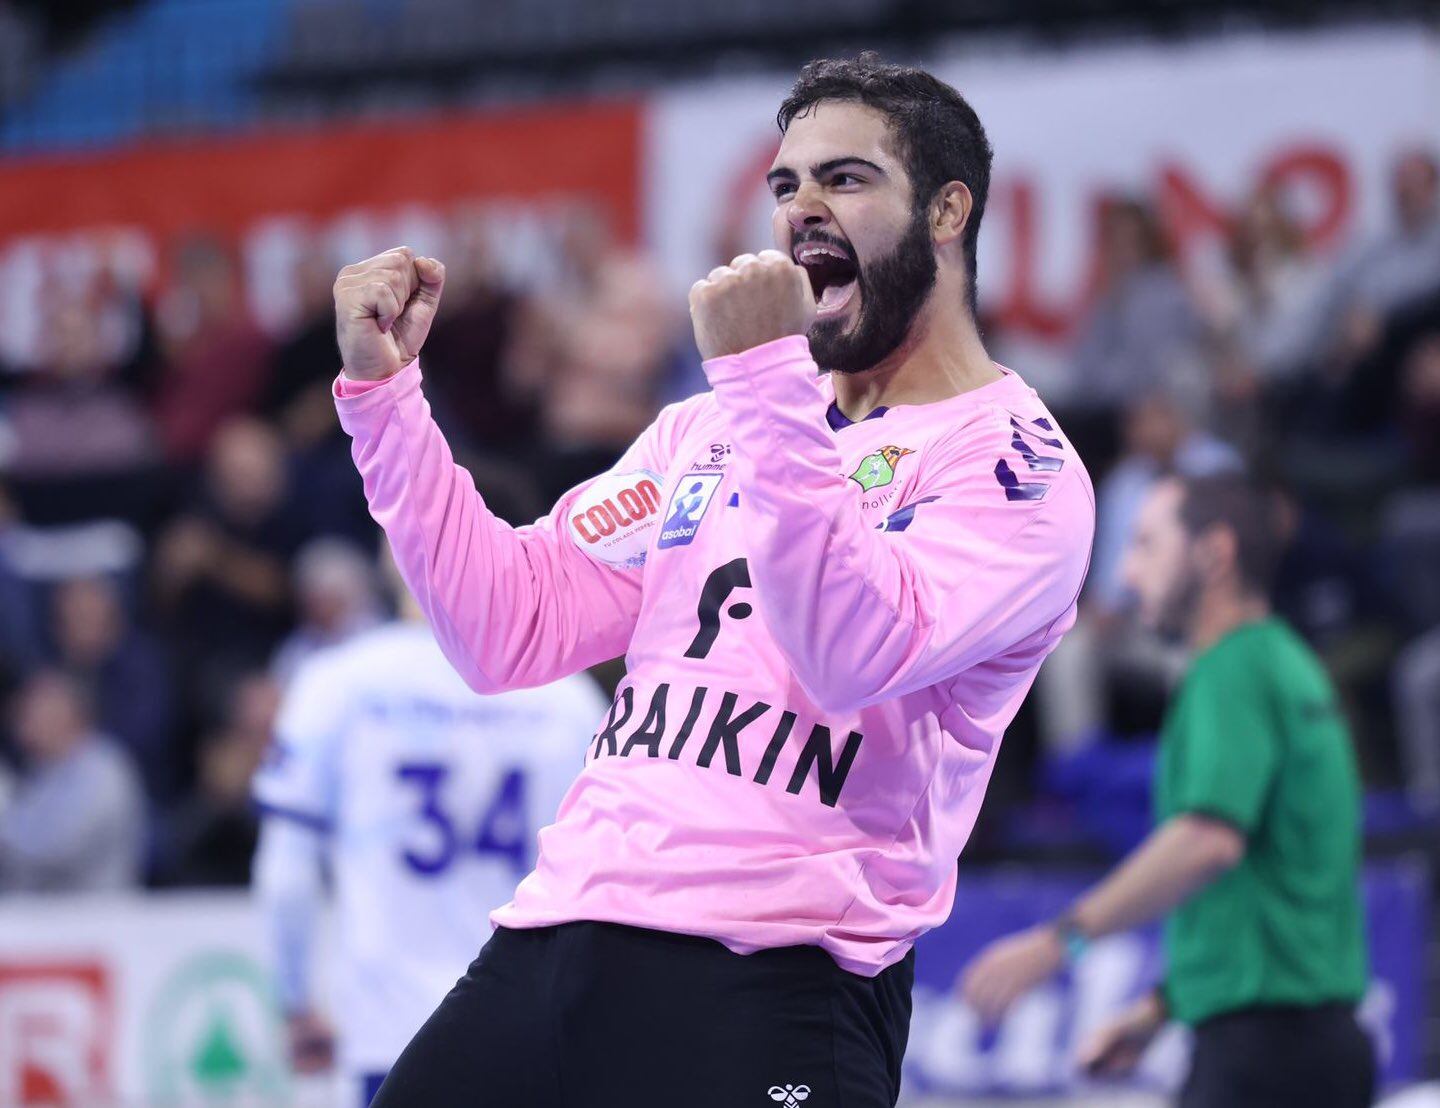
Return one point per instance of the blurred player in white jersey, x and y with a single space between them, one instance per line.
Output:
421 799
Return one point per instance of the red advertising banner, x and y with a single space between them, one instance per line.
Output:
353 190
590 149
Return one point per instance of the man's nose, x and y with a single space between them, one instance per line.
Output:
806 209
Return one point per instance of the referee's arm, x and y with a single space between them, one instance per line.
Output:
1176 860
1219 755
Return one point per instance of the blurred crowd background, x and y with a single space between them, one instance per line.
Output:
181 526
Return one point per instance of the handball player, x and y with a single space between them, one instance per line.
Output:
833 576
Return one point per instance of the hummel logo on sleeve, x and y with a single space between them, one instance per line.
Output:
1027 439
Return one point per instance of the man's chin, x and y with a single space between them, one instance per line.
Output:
826 334
1168 627
828 330
842 324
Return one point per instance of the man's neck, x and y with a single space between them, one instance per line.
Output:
943 357
59 755
1218 615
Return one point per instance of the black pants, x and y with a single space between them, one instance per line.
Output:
1281 1057
595 1015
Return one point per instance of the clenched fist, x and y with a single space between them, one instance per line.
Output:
383 310
755 299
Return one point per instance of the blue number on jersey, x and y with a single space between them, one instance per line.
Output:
428 777
504 827
504 830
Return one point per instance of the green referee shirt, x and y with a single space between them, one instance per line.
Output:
1255 738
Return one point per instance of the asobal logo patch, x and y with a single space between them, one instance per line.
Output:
688 504
214 1036
878 469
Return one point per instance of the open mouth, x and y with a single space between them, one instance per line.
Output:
833 275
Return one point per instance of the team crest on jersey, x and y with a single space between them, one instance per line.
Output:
878 469
688 505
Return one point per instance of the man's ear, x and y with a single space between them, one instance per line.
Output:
1216 553
950 212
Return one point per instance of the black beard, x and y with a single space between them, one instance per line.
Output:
893 290
1178 610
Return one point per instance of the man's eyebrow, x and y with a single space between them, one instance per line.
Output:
849 159
820 169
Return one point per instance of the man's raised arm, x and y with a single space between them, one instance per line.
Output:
511 607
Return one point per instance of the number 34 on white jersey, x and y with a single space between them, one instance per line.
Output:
430 798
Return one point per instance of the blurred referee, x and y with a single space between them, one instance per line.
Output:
1258 843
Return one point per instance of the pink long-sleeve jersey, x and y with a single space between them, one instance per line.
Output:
832 627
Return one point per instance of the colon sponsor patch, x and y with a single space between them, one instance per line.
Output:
612 520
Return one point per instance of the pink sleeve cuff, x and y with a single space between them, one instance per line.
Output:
347 388
755 361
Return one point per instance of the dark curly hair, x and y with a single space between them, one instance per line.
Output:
1247 508
937 134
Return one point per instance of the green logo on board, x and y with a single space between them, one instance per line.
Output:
214 1036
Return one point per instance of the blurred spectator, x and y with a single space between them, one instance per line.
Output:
327 489
73 415
602 352
336 596
1398 268
1109 676
1143 328
1419 409
78 440
1160 439
470 356
217 360
297 395
1416 689
1320 587
20 617
124 671
212 835
1409 522
221 569
1266 309
75 822
1380 408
